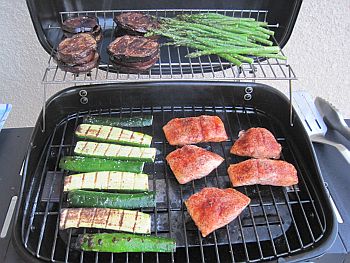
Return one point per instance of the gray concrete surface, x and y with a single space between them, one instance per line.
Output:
318 50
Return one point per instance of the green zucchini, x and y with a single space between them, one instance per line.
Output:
120 242
120 122
105 218
81 198
89 164
111 134
107 180
115 151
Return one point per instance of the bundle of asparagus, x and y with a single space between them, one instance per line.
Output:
233 39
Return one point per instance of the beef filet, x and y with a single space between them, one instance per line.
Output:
213 208
191 162
257 143
136 67
82 24
76 48
80 68
263 171
135 23
130 49
133 54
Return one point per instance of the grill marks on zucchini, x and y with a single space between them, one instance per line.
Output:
113 135
107 180
105 218
114 151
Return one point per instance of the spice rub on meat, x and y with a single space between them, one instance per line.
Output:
263 171
191 130
212 208
257 143
191 162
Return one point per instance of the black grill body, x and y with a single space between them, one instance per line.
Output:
291 223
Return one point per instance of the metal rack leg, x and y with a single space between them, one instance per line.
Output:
290 98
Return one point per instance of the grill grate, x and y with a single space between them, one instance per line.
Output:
172 65
278 222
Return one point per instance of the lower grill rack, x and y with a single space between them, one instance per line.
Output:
278 222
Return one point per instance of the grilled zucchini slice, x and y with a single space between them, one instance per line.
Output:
81 198
114 151
120 242
107 180
111 134
105 218
120 122
90 164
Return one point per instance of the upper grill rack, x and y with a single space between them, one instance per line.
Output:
172 65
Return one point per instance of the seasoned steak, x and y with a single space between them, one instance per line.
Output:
86 67
191 130
82 61
136 67
263 171
80 24
76 48
96 33
133 49
136 23
257 143
213 208
191 162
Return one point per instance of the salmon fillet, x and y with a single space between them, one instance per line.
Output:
257 143
191 130
191 162
212 208
263 171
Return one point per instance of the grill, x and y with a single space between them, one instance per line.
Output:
172 65
279 222
293 223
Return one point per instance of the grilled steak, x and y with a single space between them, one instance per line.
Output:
136 23
213 208
80 24
77 62
131 49
191 162
76 48
182 131
135 67
257 143
80 68
263 171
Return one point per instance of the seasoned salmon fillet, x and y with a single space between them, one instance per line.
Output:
212 208
191 162
257 143
263 171
191 130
